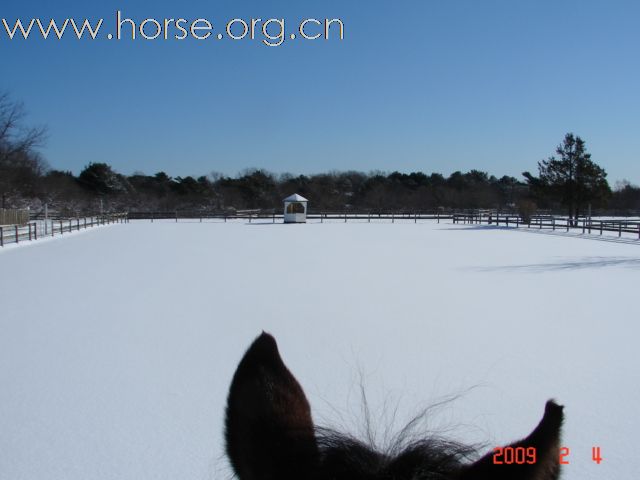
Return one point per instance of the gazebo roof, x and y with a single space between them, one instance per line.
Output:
295 198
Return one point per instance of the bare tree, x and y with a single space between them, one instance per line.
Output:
20 164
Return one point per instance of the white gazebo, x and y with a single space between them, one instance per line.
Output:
295 209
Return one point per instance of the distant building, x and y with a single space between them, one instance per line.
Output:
295 209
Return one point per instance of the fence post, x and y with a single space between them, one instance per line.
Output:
70 225
2 236
393 218
639 231
554 223
619 229
438 217
584 225
17 235
274 217
61 232
30 232
78 223
176 216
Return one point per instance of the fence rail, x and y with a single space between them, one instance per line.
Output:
276 216
550 222
489 217
41 228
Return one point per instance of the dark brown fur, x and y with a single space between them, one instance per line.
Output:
270 435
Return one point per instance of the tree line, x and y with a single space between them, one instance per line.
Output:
568 182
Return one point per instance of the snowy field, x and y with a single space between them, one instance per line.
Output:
117 344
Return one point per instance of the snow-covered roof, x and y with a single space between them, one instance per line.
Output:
295 198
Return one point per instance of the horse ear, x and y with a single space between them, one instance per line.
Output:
269 430
544 441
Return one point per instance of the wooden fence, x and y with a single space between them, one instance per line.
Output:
38 229
13 216
550 222
488 217
251 215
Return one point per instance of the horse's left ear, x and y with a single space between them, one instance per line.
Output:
539 453
269 430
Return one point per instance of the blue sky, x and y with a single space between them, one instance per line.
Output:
430 85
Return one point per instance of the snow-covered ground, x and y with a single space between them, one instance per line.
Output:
117 345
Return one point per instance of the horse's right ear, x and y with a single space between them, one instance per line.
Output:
269 431
543 442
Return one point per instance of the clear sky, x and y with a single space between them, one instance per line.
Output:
430 85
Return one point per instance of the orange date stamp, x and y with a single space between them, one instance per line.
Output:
529 455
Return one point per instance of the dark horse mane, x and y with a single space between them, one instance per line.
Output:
343 456
270 435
